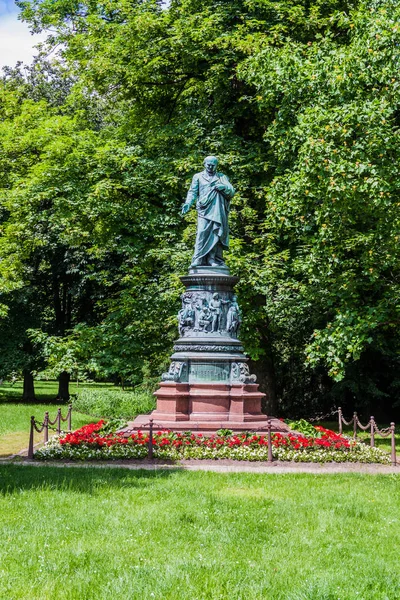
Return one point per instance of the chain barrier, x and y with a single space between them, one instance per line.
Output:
374 430
332 413
37 425
348 423
47 424
382 432
266 429
64 419
363 427
49 427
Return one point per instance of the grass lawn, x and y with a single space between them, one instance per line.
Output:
86 533
15 416
15 422
45 391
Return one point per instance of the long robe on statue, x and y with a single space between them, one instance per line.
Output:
212 208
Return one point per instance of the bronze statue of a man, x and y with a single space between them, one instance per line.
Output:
212 192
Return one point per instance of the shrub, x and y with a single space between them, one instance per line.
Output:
304 427
113 403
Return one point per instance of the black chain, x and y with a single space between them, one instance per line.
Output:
37 425
42 426
332 413
47 423
363 427
67 415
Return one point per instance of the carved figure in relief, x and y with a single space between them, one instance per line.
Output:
186 318
233 319
205 318
216 308
190 297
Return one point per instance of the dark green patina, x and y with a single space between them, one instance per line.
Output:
212 192
209 349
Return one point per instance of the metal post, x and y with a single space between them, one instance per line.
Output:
270 458
46 427
69 422
340 421
372 423
59 420
355 425
392 428
151 439
30 447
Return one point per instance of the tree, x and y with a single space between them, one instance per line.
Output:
41 267
292 97
334 199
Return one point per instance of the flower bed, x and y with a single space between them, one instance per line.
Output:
95 442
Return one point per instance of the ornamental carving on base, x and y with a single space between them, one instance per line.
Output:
177 372
203 348
240 372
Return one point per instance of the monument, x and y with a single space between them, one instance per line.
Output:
208 385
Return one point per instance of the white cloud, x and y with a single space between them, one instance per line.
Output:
16 41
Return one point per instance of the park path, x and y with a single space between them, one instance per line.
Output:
225 466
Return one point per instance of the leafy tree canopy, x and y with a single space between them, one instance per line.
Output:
300 102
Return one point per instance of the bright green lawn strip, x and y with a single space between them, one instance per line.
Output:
15 419
117 534
45 391
15 416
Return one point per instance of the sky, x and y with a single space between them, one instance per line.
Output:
16 41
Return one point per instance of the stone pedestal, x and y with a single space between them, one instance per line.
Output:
208 385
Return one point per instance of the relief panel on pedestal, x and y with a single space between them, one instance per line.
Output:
213 313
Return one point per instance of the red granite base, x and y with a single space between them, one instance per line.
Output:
208 407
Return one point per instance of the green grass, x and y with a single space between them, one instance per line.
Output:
15 416
45 391
84 534
15 424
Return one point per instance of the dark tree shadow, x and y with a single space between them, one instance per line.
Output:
86 480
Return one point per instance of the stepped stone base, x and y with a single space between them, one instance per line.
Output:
208 385
208 407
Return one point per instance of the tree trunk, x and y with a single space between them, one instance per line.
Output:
265 372
63 386
28 395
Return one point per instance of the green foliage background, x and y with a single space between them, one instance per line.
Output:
111 403
300 101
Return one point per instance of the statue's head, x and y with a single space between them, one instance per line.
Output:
210 163
215 296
